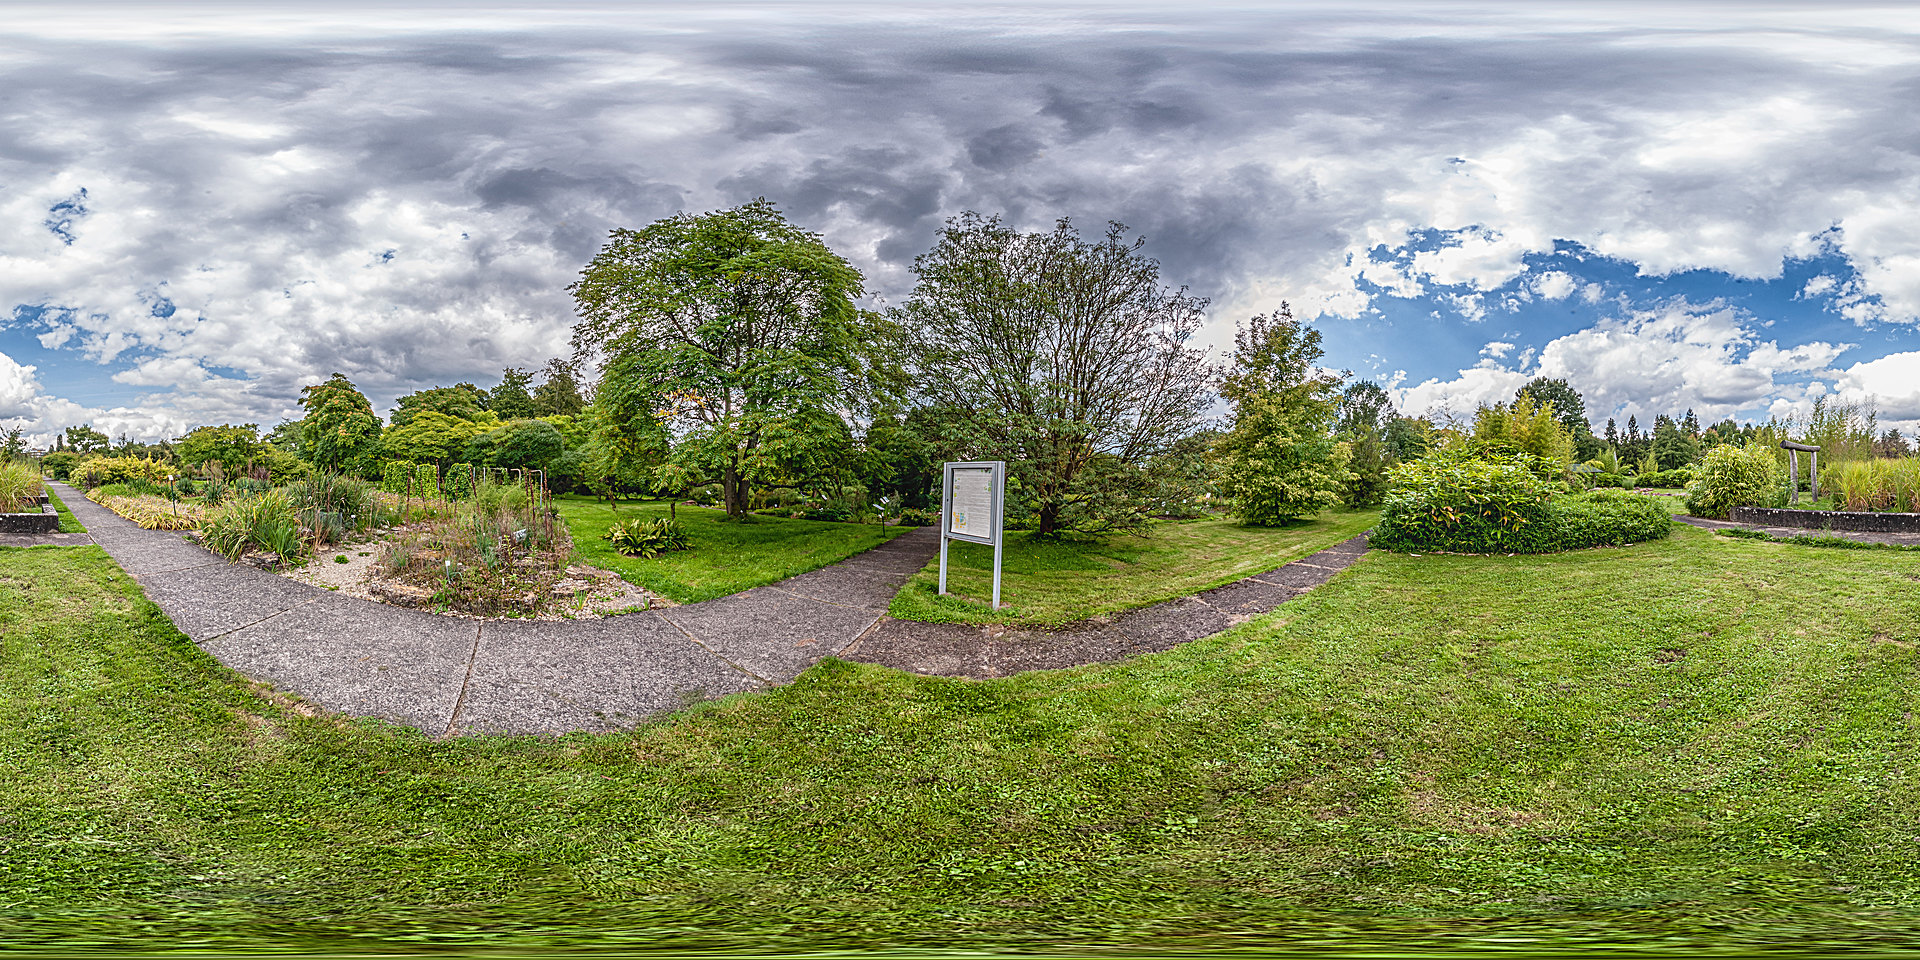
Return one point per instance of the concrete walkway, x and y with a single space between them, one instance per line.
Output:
446 675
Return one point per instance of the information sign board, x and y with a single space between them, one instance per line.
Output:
972 509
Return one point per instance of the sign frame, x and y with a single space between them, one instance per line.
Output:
996 536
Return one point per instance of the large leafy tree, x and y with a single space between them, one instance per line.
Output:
340 431
462 400
430 436
511 400
559 394
1568 407
1280 461
86 439
739 331
1056 353
233 448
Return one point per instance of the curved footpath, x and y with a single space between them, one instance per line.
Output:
446 675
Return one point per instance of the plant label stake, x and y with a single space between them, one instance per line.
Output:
973 499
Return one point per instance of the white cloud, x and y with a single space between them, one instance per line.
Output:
1554 285
1892 382
1678 357
1498 349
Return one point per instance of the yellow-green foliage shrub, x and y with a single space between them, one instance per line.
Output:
1731 476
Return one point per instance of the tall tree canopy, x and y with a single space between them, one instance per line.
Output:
511 399
1053 352
233 448
463 401
742 329
340 431
559 394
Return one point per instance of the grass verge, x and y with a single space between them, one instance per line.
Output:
727 556
1696 742
1050 583
68 522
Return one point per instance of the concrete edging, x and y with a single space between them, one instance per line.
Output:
31 524
1848 520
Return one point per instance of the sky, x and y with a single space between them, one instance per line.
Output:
1709 206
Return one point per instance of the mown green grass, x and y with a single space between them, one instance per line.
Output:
1050 583
68 523
727 556
1697 741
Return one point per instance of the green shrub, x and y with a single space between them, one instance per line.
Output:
394 474
1733 476
827 514
1488 501
912 517
458 483
1467 502
647 539
1667 479
1609 518
94 471
59 464
426 480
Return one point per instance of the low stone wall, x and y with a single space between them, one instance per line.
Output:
1829 520
31 524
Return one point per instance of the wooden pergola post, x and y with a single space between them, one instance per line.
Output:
1793 458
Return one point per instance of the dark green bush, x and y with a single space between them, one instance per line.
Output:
1493 502
829 514
912 517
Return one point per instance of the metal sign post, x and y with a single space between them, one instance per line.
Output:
973 499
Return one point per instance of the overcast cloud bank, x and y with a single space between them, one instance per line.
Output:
204 211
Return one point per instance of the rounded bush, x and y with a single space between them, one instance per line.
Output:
1733 476
1492 502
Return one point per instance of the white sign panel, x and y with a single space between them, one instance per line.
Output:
972 500
972 513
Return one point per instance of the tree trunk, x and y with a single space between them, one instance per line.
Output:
733 489
1049 519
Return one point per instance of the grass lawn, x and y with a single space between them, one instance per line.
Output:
1053 583
68 523
1696 741
727 557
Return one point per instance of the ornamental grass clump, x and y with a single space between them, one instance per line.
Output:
19 487
266 522
1875 485
1731 476
1462 500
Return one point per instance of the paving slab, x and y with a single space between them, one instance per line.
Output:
359 657
1246 598
1167 625
772 634
600 675
154 552
932 649
866 588
206 602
